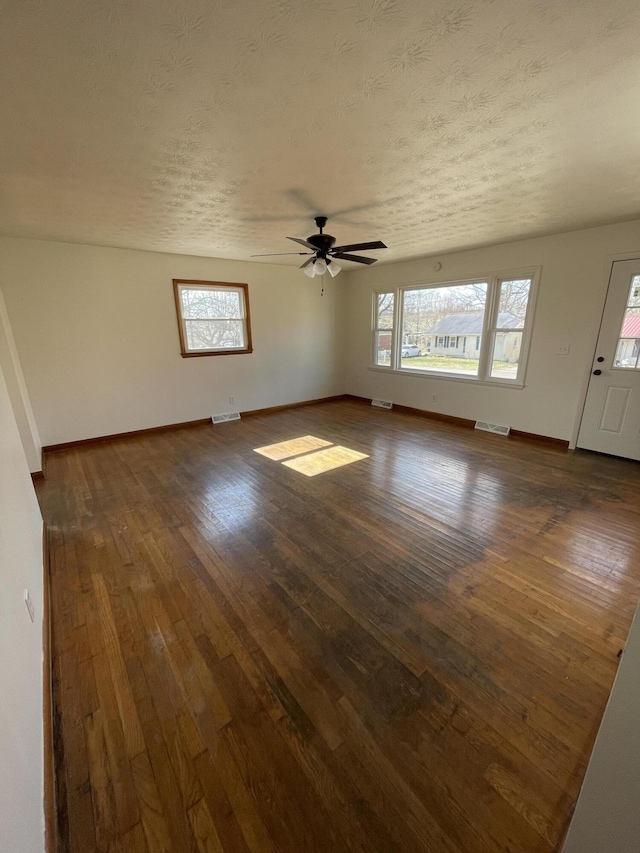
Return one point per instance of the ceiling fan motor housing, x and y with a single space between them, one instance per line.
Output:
322 242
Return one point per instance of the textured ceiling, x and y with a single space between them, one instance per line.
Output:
216 128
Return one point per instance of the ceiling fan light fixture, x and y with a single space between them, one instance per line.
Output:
319 266
333 268
310 271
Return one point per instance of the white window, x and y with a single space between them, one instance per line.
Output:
495 313
213 317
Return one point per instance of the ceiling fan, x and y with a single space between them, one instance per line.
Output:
323 252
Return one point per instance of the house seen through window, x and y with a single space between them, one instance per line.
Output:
473 330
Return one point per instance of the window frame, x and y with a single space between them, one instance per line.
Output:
493 280
200 284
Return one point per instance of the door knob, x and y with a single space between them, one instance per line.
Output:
597 372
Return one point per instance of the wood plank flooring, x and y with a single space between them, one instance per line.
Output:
408 653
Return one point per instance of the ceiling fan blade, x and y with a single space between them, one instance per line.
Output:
359 247
272 254
307 262
303 243
354 258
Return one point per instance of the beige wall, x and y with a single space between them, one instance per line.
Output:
97 335
570 301
21 740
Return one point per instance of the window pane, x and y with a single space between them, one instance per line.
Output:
627 354
383 348
214 334
210 304
634 293
514 296
384 318
628 348
440 328
506 355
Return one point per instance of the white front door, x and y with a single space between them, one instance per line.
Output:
611 417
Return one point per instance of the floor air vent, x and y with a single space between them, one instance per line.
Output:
497 428
382 404
222 419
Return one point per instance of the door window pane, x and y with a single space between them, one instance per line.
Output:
628 349
634 293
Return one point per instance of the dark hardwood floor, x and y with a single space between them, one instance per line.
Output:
408 653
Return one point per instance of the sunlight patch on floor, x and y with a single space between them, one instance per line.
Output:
324 460
294 447
310 459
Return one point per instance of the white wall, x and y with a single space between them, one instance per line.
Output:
21 727
10 364
575 268
97 335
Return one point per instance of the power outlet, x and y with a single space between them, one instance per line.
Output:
232 399
30 607
434 398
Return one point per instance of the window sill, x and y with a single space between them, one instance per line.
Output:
450 377
216 352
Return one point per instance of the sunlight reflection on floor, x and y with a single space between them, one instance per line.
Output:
324 460
307 462
294 447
